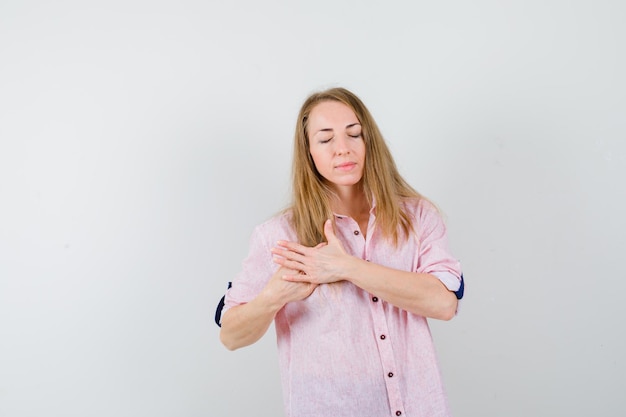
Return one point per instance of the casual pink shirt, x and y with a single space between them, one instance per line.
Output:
342 351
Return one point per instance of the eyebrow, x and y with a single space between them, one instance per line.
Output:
328 129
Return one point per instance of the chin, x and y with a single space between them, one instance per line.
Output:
345 183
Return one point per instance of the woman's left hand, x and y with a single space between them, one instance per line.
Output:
325 263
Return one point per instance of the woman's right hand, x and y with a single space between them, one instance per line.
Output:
279 292
244 324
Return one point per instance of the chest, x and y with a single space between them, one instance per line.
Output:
363 240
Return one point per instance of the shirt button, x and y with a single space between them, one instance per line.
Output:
390 374
398 413
356 232
382 337
374 299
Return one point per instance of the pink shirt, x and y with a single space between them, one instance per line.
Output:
342 351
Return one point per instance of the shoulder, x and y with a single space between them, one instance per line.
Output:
278 227
420 207
426 218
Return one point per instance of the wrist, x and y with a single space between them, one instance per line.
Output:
270 301
352 268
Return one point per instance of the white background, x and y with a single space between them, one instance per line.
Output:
141 141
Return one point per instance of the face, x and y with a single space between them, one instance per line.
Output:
336 144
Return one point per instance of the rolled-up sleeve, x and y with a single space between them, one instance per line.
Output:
257 269
434 256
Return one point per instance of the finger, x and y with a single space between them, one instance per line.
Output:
288 254
329 232
293 246
288 271
297 278
279 261
289 264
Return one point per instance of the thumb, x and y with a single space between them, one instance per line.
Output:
329 232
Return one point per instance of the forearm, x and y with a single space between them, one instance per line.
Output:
245 324
418 293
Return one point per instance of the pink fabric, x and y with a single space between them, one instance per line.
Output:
342 353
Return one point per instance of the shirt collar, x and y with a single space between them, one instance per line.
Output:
372 210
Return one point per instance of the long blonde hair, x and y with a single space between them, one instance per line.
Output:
311 204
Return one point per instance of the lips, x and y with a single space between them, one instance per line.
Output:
346 166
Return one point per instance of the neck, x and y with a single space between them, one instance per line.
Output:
350 201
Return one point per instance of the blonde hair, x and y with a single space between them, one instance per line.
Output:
311 204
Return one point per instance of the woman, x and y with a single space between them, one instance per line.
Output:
349 273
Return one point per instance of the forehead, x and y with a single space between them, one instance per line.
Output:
331 114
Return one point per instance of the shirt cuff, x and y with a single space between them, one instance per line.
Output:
451 281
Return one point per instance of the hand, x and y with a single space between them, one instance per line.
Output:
325 263
280 292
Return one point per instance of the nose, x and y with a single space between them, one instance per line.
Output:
342 145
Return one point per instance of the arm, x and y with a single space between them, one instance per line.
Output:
418 293
245 324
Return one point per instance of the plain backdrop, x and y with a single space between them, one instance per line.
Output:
141 141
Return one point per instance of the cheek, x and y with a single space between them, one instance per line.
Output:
362 151
316 160
318 157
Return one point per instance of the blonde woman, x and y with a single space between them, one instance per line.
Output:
349 274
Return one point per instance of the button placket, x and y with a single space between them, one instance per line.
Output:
387 358
385 347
